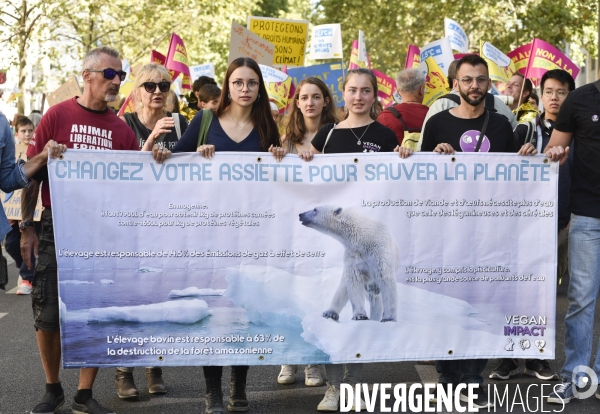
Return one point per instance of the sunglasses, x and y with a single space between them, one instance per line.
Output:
110 73
150 87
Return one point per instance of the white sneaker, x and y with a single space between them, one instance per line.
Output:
24 288
312 376
363 405
287 374
331 401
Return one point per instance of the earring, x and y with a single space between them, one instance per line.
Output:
229 97
258 97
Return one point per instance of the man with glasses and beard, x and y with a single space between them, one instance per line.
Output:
469 127
81 122
459 128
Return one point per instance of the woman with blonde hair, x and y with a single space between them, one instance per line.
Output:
152 124
150 121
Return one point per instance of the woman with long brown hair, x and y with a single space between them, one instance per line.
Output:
313 108
242 122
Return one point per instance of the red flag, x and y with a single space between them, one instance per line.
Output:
177 60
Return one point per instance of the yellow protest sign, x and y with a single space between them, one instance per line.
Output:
288 36
436 83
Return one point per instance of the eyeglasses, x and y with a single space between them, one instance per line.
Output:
467 81
110 73
561 93
239 85
150 87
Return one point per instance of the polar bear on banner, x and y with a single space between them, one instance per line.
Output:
371 259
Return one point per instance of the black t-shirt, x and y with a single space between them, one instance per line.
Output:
580 114
463 133
142 133
377 138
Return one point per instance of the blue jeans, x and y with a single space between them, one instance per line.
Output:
461 371
584 285
12 243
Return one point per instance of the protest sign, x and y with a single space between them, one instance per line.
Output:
235 260
441 51
66 91
330 73
545 57
436 82
520 57
177 60
288 36
2 76
278 84
355 62
386 87
244 43
326 42
413 57
457 36
500 66
207 69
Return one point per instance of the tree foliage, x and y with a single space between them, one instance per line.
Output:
391 26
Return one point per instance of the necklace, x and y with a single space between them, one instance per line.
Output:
239 126
144 122
363 134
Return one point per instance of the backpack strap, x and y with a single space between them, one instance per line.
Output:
490 102
453 97
207 117
395 112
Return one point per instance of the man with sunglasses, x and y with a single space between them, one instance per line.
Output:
80 122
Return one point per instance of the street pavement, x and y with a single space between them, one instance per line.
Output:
22 377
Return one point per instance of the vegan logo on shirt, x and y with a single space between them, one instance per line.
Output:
469 139
370 147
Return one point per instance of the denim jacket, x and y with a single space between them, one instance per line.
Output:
12 174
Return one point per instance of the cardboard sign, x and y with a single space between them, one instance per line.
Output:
288 36
68 90
244 43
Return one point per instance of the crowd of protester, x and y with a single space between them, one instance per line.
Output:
238 116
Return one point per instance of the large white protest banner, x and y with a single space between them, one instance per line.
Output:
350 257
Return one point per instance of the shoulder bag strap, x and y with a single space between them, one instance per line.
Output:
482 136
207 117
177 126
327 139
